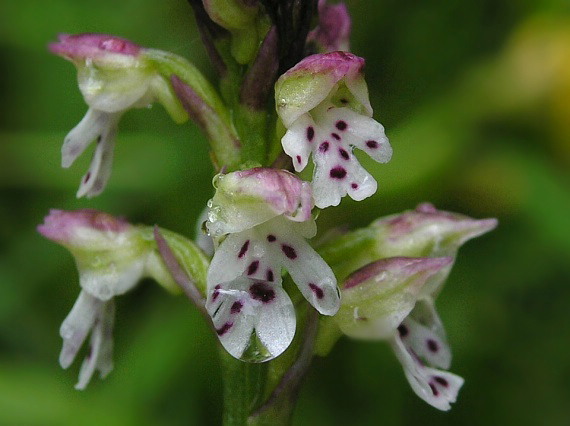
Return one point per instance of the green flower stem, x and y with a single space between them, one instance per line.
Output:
244 385
252 128
265 393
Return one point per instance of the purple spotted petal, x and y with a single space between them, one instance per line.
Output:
254 319
427 337
333 30
263 251
438 388
83 46
330 134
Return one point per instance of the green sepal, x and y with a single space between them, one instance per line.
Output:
189 255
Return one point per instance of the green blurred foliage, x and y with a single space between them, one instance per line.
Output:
475 97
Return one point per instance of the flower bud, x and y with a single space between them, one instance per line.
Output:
427 231
377 298
333 30
247 198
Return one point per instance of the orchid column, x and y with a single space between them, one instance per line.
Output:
288 92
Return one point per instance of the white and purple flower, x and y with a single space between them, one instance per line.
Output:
380 302
114 75
112 256
323 102
267 215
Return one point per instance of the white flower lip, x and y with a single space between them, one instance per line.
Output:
323 102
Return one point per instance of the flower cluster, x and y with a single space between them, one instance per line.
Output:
393 298
257 274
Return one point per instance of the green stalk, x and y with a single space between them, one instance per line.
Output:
244 384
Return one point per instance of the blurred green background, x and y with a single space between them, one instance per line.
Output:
475 97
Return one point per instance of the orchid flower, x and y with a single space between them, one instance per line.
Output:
112 256
379 302
266 214
394 298
421 342
114 75
323 102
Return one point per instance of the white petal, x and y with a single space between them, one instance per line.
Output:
426 335
309 271
101 347
438 388
275 323
359 90
230 258
105 361
327 190
263 251
77 325
255 320
94 124
96 178
106 281
299 140
362 132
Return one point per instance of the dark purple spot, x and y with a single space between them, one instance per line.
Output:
252 268
269 275
271 238
317 290
298 159
336 136
262 291
341 125
372 144
224 329
87 177
433 389
236 307
324 147
403 330
441 381
243 249
432 345
216 292
310 133
338 172
354 185
344 101
99 138
343 153
289 251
